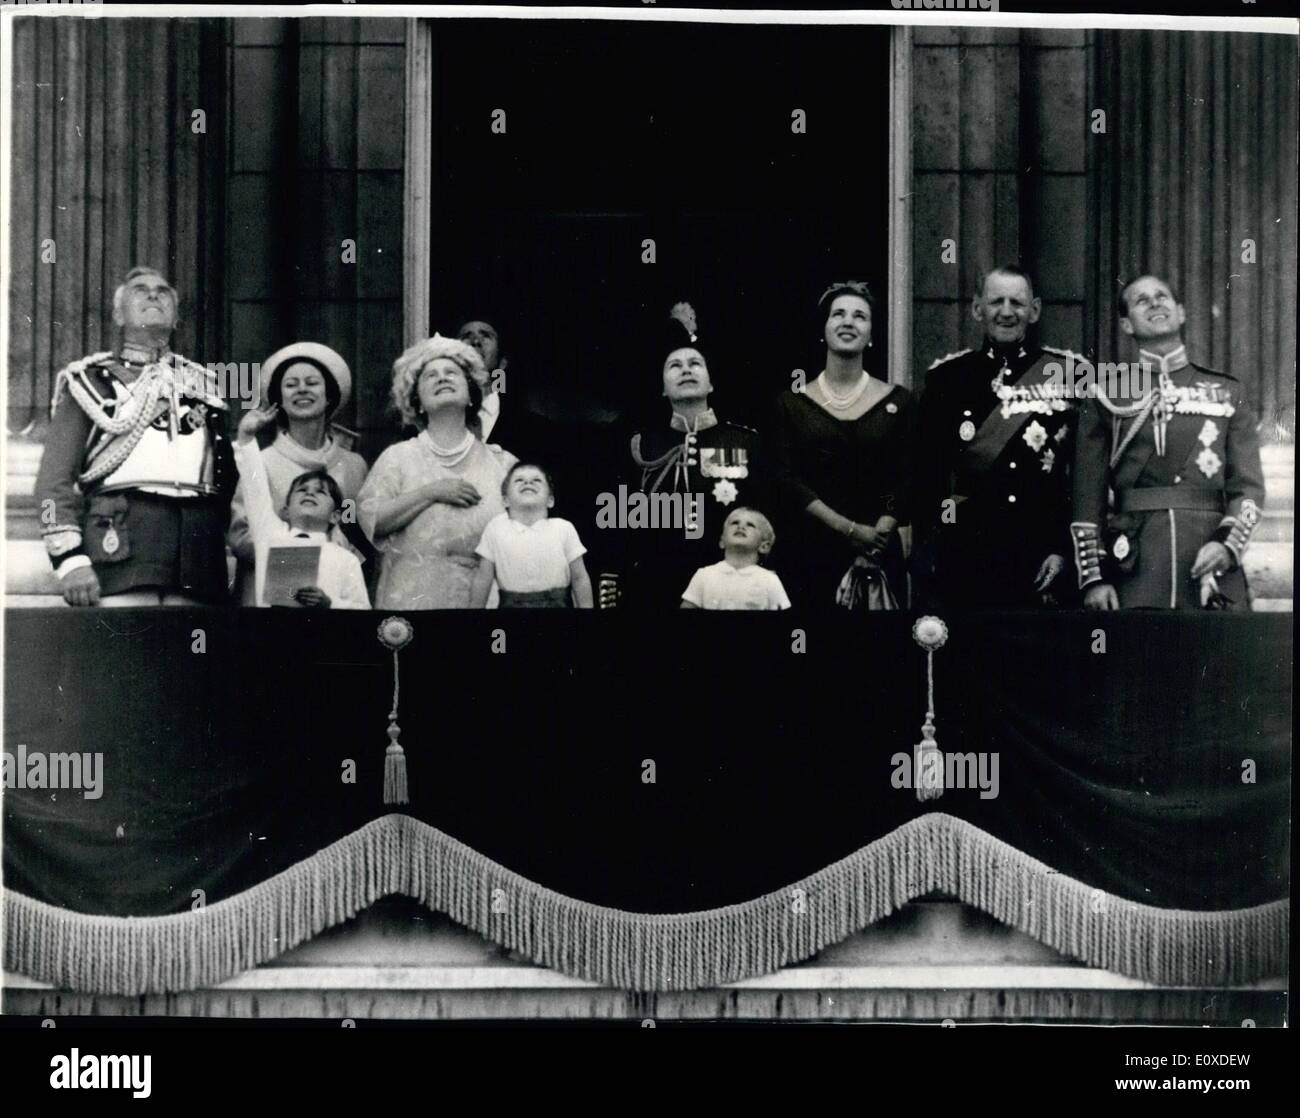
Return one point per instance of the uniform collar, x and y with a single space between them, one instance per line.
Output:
1168 362
1013 352
705 420
133 354
306 536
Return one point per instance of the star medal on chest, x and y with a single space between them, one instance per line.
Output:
1121 548
966 431
111 542
1209 462
1035 436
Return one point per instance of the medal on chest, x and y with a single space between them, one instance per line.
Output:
111 542
724 491
731 462
726 465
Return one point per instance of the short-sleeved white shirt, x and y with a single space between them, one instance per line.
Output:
530 557
722 586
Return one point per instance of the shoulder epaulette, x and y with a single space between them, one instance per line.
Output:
198 374
1063 352
77 368
949 357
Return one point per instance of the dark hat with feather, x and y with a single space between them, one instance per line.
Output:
678 330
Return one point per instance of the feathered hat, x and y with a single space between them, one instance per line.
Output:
679 329
407 369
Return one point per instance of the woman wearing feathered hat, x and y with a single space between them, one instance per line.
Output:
704 465
428 499
842 447
310 383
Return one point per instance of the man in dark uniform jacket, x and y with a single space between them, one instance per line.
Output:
136 476
680 480
993 496
1176 449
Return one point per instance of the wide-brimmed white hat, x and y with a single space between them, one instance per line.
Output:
317 354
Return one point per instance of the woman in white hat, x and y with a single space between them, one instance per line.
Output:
310 383
428 499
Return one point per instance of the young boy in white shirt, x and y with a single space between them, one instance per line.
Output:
738 582
312 508
535 559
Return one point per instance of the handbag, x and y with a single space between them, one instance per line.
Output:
865 587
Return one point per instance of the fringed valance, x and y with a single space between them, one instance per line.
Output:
635 950
1116 788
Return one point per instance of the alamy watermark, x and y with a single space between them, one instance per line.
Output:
57 771
944 5
230 380
959 771
1079 379
682 512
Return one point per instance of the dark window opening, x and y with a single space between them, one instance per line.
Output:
676 133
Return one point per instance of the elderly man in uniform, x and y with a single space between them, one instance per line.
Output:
135 482
1180 455
993 491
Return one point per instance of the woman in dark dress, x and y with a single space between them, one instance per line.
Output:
843 451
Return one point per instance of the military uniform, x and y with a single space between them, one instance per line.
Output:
715 463
1181 467
996 428
137 475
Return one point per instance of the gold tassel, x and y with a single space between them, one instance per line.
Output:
395 633
395 791
928 764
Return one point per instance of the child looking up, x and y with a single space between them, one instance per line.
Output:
535 559
313 507
738 582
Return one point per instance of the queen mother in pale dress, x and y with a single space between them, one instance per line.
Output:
427 500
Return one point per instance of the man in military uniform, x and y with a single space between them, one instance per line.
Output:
136 477
993 497
1179 453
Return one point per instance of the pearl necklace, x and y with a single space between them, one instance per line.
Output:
843 402
454 455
